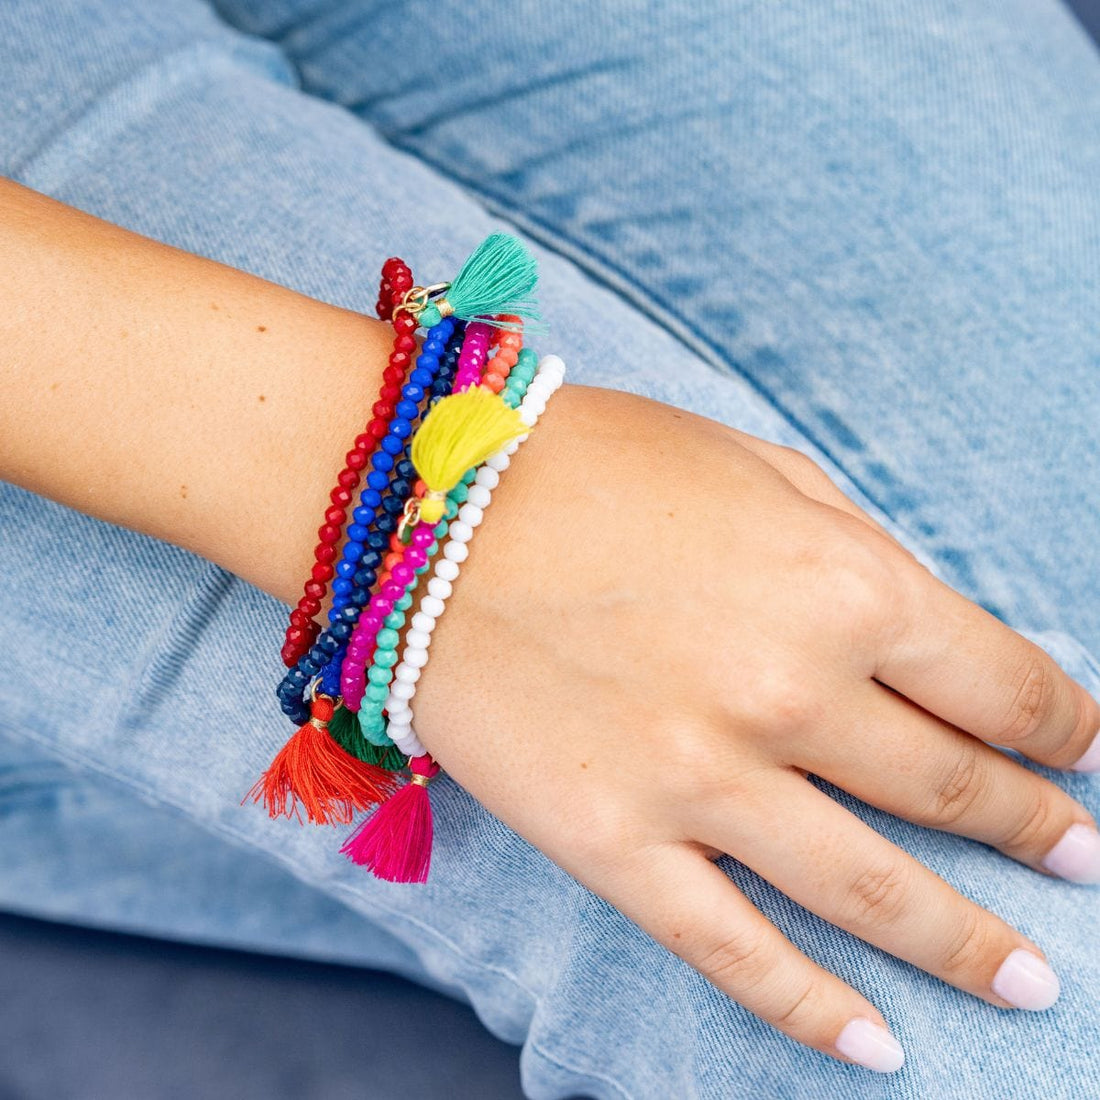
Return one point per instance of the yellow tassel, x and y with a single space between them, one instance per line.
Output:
461 431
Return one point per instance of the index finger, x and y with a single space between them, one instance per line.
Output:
956 660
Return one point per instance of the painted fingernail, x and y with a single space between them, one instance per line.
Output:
1077 855
871 1045
1090 762
1025 981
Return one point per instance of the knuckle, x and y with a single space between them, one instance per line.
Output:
1026 832
863 578
737 963
798 464
684 744
1032 700
878 896
967 945
598 835
799 1008
781 701
961 788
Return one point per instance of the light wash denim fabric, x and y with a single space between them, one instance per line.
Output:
870 231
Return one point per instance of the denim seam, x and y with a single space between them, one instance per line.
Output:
557 1063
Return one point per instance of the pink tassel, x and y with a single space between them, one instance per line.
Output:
395 842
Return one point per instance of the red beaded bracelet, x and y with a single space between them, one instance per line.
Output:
303 629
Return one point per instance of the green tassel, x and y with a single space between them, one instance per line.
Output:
343 728
498 277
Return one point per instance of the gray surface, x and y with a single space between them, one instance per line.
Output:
97 1016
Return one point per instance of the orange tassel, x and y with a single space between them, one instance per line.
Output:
311 768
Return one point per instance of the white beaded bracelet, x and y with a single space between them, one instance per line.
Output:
548 378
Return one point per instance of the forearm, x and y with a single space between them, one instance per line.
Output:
174 395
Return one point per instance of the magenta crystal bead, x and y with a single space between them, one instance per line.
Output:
475 347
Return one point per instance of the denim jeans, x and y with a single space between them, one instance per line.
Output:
868 231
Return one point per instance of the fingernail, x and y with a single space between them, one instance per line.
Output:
1025 981
1090 762
871 1045
1077 855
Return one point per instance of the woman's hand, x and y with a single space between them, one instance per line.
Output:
665 625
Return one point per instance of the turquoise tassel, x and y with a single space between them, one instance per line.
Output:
498 277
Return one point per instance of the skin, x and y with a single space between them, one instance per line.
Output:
664 626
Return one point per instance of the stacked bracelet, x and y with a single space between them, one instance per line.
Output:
395 284
549 377
373 725
469 389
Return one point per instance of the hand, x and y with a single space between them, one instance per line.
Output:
664 626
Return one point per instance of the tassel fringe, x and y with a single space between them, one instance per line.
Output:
461 431
498 277
395 842
313 770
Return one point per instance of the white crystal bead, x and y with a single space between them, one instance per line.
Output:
459 531
418 639
410 744
456 552
418 658
488 477
445 569
420 621
471 514
440 588
432 605
481 494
